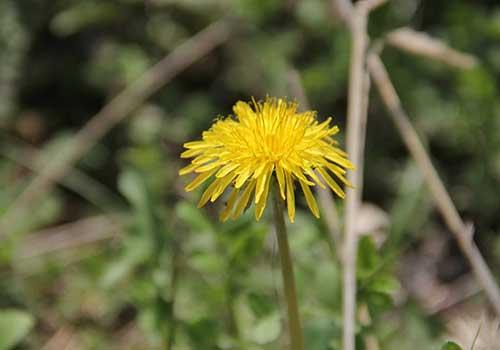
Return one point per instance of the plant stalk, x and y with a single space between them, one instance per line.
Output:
294 326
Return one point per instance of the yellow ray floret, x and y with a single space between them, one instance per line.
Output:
263 140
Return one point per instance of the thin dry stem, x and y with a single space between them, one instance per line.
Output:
343 10
69 236
421 44
353 196
356 18
113 113
174 273
63 339
463 232
371 5
75 180
362 132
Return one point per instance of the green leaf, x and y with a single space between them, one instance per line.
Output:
322 333
133 186
260 304
14 326
377 302
193 216
267 329
368 258
207 262
384 283
451 346
81 16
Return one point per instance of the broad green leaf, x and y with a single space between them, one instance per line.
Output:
82 15
260 304
267 329
451 346
368 258
207 262
322 333
14 326
132 187
193 217
384 283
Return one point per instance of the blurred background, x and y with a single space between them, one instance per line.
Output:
116 255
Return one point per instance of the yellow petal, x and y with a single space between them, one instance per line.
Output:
199 180
204 158
335 169
261 205
315 177
339 172
290 197
331 182
300 175
337 158
226 169
242 177
243 111
333 130
260 169
188 169
196 145
281 180
191 153
229 205
243 201
311 202
261 182
208 167
208 192
223 183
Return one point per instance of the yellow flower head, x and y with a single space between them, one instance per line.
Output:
271 138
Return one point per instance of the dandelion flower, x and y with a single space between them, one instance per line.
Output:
262 140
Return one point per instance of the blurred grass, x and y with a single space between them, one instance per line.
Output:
175 269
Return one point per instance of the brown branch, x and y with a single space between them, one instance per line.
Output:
75 180
343 10
463 232
356 18
63 339
364 120
421 44
354 149
114 112
69 236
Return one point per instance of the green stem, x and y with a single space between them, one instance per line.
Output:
294 328
172 321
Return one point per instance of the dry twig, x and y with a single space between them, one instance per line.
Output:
114 112
63 339
68 236
353 196
422 44
463 232
357 18
75 180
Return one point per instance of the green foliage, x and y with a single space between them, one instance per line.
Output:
376 283
14 326
172 271
449 345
